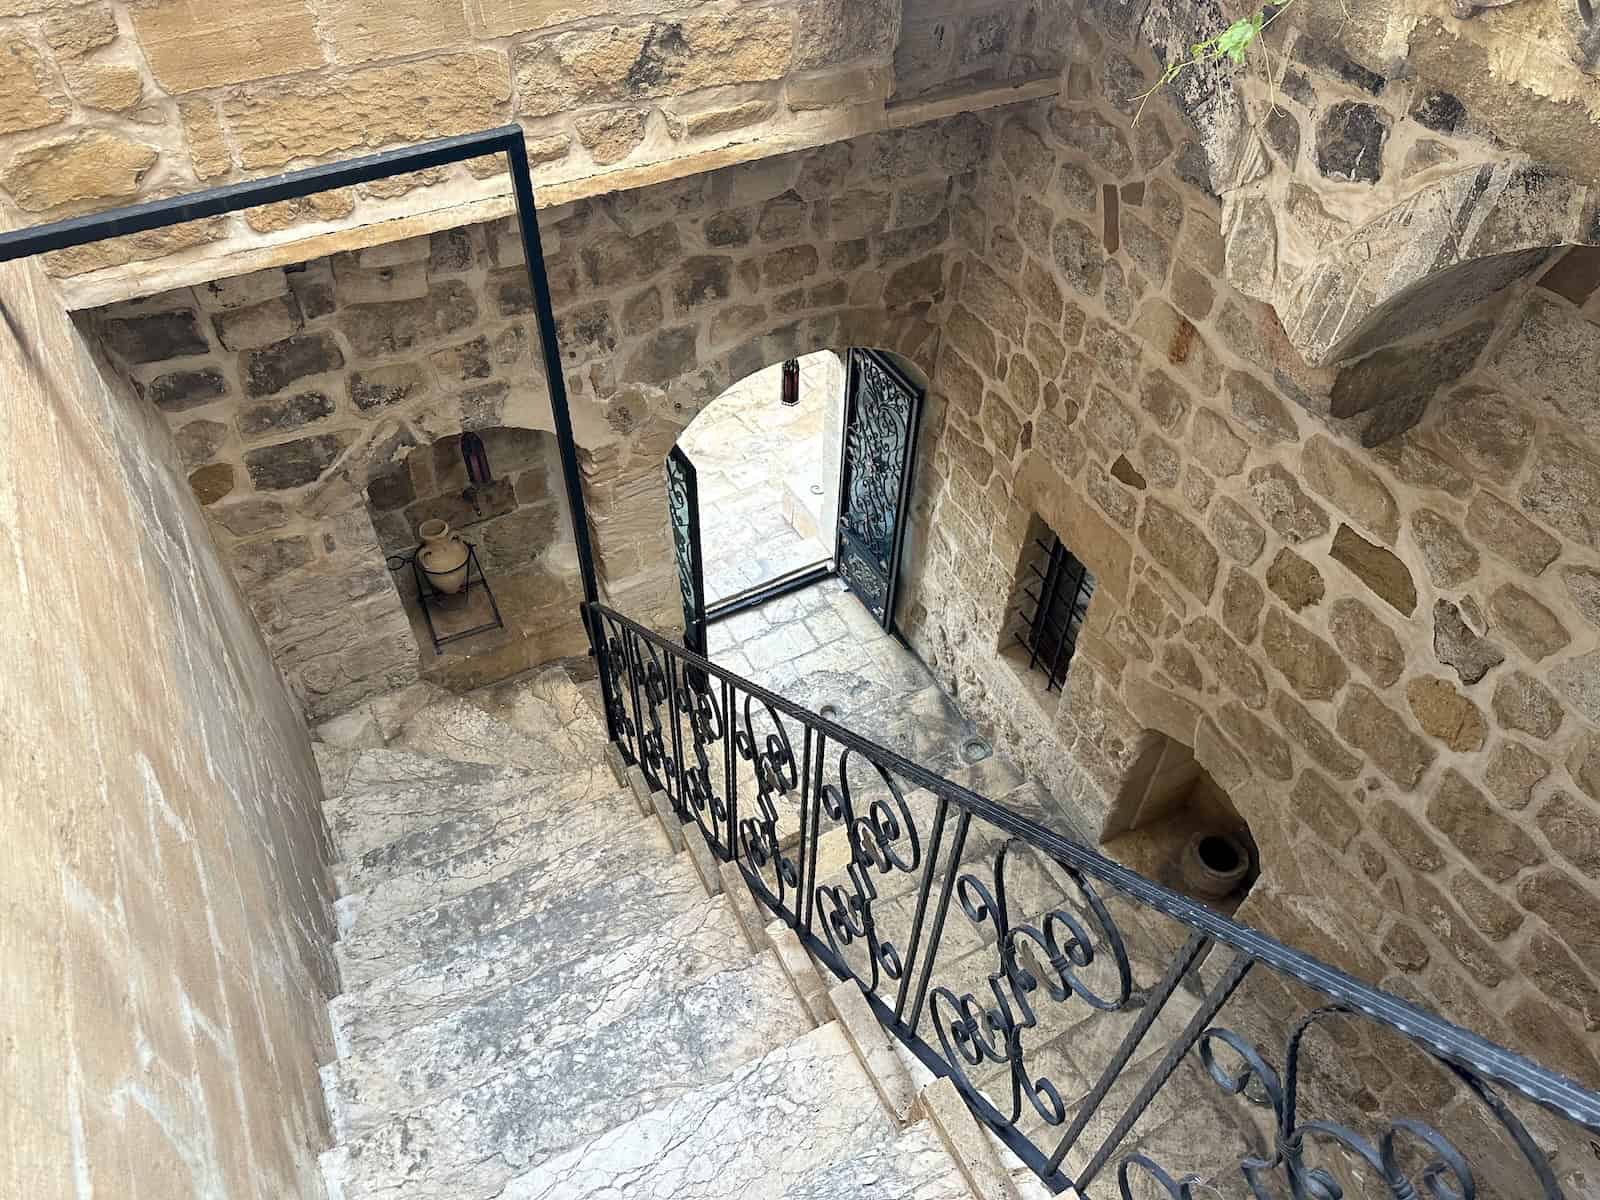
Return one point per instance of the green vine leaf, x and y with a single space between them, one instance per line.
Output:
1235 40
1232 43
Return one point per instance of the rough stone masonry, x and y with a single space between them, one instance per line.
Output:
1354 567
290 391
1385 655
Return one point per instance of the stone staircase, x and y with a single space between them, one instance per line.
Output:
543 999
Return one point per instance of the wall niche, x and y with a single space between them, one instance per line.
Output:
516 519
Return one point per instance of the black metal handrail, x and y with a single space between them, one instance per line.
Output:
724 751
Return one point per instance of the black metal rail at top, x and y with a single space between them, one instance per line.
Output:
768 783
292 185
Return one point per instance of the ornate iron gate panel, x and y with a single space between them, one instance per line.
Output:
683 510
880 440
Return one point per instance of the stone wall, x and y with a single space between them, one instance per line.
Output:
290 391
1371 211
949 44
1385 658
168 924
118 101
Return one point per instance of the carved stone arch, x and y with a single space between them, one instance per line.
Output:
1427 261
632 546
907 334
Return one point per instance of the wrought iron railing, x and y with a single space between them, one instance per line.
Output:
1077 1005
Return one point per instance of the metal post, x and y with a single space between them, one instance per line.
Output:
555 376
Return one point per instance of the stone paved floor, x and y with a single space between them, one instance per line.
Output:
748 448
819 647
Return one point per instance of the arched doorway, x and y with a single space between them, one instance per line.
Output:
762 525
767 466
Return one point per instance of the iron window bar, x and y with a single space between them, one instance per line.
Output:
746 769
292 185
1050 633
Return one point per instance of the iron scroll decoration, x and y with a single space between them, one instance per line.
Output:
1016 933
881 416
683 512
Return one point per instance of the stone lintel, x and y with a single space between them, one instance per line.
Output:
487 200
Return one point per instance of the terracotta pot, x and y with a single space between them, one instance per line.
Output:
1214 865
443 557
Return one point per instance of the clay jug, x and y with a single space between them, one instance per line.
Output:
443 557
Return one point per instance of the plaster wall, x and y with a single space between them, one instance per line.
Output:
165 946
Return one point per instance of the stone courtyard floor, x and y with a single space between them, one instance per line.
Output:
748 448
820 648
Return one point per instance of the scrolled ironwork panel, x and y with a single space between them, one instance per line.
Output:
1404 1157
702 786
683 514
772 809
1040 915
881 834
1003 955
615 655
881 414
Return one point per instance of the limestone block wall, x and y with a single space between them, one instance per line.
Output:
290 391
116 101
166 940
1386 658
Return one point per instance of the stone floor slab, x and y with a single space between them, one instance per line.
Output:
466 1145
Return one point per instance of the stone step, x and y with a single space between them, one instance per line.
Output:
374 723
460 728
436 864
593 919
393 1073
914 1166
388 794
547 702
466 1144
775 1128
396 802
548 889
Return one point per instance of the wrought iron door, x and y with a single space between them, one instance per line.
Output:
683 510
880 440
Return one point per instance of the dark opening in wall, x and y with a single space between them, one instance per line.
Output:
1051 603
1171 821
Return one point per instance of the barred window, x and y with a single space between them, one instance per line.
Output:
1053 599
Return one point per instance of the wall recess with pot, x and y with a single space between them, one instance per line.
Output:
512 605
1171 821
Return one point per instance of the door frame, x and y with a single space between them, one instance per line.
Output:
805 577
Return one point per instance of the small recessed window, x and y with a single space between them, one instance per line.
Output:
1052 603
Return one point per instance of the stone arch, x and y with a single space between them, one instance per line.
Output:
1427 261
1179 777
627 512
